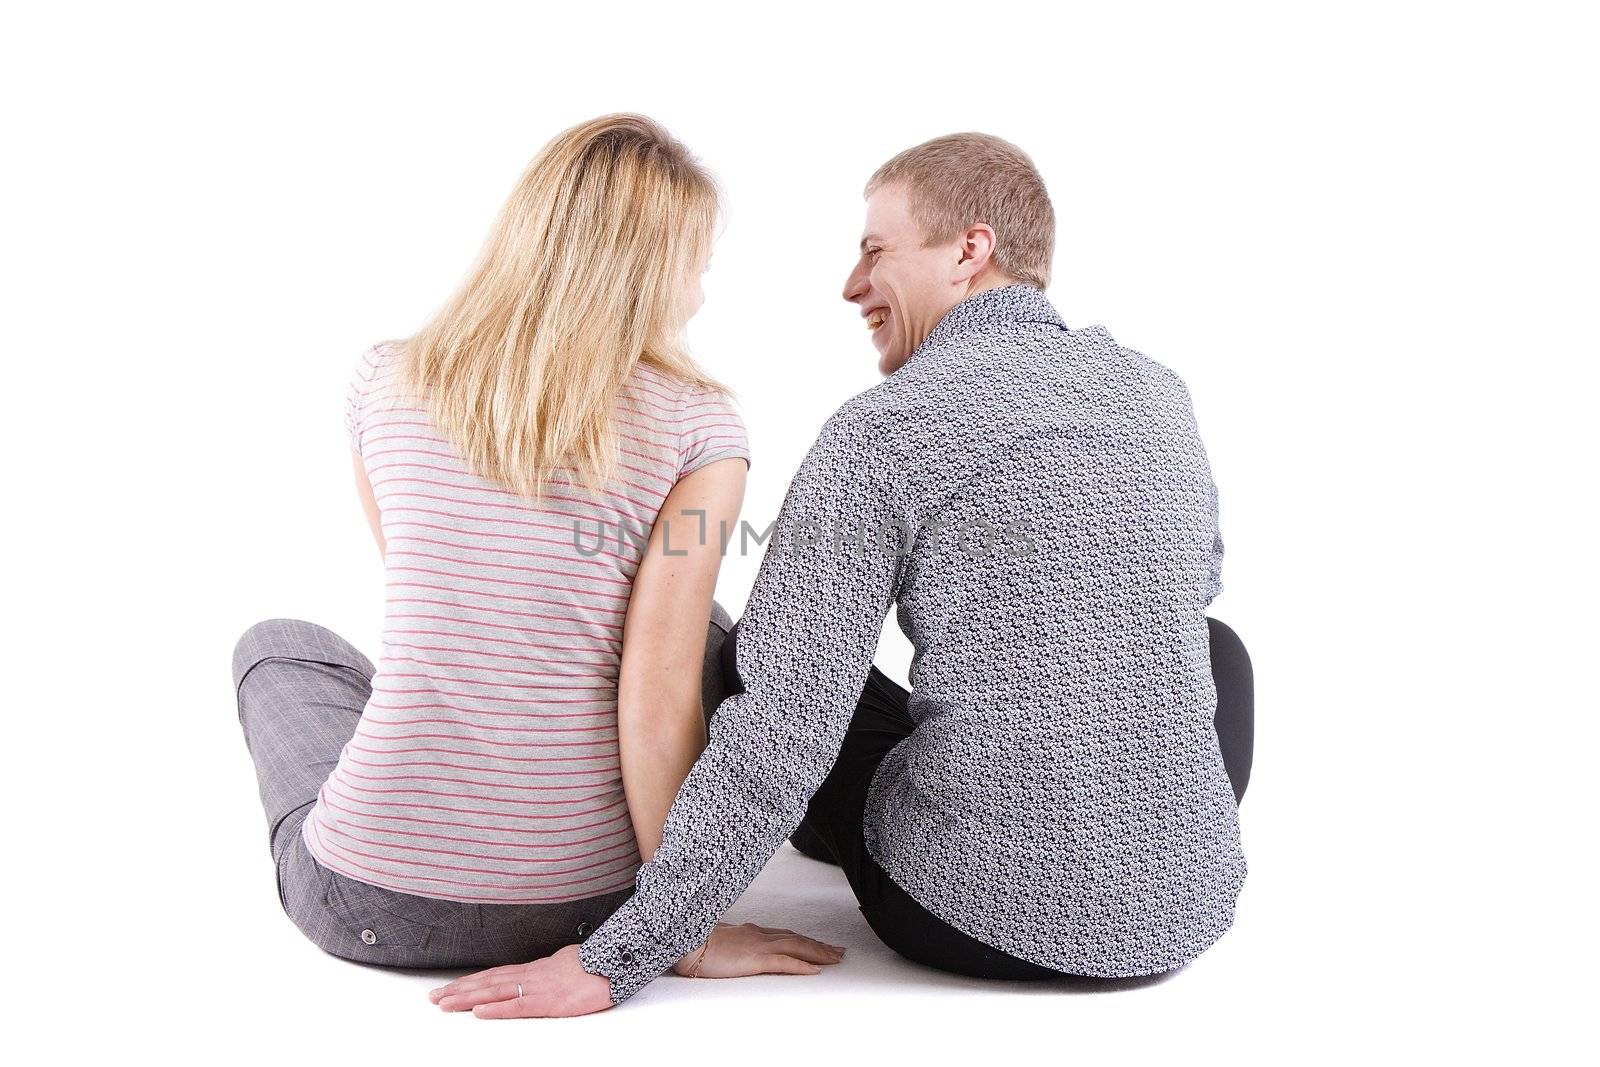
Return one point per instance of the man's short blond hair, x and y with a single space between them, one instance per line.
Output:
965 178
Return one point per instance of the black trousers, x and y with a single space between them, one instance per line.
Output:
832 829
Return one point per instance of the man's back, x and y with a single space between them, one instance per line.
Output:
1063 549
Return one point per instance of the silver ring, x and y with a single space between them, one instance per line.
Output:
519 990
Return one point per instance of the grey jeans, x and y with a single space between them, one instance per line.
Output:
300 691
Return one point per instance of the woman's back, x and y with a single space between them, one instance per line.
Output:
486 764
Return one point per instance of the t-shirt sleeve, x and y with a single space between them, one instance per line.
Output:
361 378
709 429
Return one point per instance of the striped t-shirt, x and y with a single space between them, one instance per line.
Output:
486 765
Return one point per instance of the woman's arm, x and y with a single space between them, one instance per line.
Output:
369 504
662 727
660 723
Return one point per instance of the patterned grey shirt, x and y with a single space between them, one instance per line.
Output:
1037 503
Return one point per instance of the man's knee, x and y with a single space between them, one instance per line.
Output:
713 688
1230 665
1226 645
729 655
1235 717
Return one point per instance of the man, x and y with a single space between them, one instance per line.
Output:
1052 796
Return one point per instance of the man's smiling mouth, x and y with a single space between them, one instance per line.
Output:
877 318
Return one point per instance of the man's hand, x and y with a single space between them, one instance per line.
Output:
737 951
554 987
558 986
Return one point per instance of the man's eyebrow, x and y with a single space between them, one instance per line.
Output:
869 238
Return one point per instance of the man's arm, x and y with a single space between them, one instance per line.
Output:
1214 588
805 645
1214 578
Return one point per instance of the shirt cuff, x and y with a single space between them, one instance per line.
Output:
627 952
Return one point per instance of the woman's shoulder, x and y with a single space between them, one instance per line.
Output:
673 399
378 370
379 358
375 386
702 419
375 363
658 382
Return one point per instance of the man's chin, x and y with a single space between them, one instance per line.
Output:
889 356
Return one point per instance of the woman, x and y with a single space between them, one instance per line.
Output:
488 791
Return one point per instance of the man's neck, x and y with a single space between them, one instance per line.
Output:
985 280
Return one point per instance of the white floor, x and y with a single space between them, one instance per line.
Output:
247 987
873 999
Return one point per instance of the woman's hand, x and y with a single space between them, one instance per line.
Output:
556 986
737 951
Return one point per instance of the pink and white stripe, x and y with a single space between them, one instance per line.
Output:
485 767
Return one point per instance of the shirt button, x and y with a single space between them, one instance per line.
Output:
368 937
626 956
584 930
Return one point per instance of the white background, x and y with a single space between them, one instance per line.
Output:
1365 236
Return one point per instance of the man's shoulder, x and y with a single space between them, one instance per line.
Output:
869 410
1150 367
864 436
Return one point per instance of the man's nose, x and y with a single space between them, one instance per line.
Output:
855 285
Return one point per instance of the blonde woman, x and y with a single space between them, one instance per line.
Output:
537 464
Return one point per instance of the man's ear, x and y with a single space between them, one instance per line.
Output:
977 248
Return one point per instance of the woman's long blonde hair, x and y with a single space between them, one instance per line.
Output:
582 278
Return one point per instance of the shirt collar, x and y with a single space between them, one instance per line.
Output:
990 308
